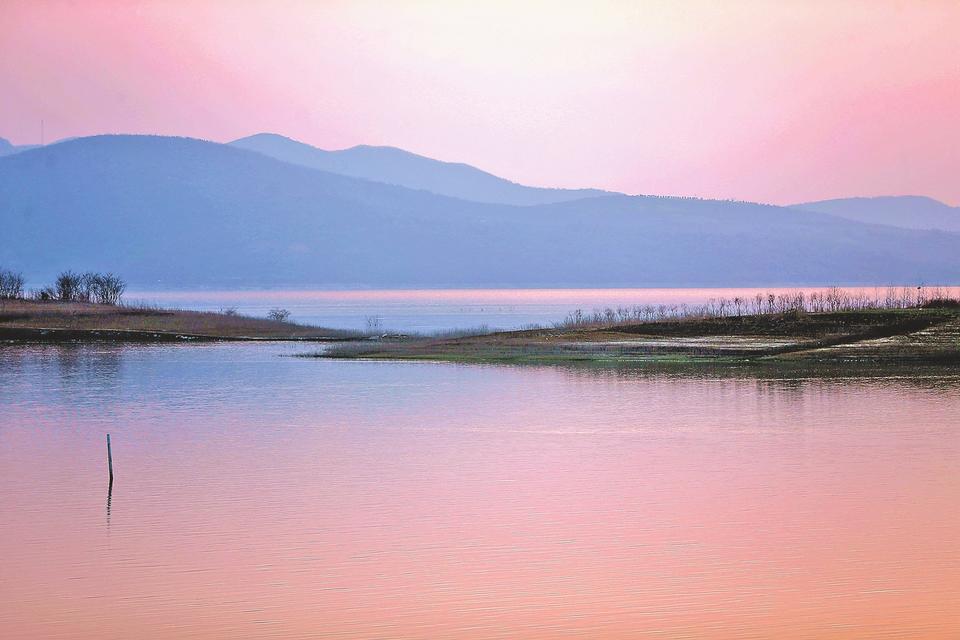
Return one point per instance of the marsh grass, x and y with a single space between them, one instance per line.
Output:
83 316
831 300
833 325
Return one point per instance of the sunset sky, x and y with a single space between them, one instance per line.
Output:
756 100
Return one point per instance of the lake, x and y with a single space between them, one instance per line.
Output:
429 310
265 496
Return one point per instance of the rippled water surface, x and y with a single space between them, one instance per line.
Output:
261 496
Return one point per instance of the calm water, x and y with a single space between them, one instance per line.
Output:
428 310
260 496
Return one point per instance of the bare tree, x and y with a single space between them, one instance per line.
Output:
86 287
103 288
738 305
11 285
278 314
67 286
107 288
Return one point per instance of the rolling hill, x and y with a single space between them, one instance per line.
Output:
398 167
909 212
181 212
8 149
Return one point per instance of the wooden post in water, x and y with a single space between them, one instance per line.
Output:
110 459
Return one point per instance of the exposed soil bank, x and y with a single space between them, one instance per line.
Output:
914 335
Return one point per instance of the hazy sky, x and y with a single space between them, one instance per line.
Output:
775 101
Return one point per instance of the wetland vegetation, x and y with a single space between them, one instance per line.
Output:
831 326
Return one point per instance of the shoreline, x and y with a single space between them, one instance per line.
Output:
29 321
49 335
928 336
915 336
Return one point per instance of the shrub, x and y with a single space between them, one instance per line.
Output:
44 294
374 325
941 303
280 315
832 300
67 286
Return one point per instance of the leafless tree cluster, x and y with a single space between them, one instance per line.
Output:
280 315
102 288
11 285
829 300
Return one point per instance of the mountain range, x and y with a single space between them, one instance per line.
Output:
8 149
909 212
398 167
268 211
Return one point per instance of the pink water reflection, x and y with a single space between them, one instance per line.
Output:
359 500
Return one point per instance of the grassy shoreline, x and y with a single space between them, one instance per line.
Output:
53 321
914 335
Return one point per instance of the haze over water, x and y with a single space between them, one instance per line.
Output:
772 465
260 496
428 310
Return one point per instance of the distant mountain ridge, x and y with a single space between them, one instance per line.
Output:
184 212
908 212
391 165
7 148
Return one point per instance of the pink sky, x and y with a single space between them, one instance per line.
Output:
768 101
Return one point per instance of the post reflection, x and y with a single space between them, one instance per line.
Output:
418 500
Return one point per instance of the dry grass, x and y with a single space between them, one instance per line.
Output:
81 317
832 300
902 334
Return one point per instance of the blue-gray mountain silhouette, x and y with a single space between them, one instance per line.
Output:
909 212
8 149
396 166
182 212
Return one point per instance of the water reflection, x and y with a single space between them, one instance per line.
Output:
84 366
109 500
291 498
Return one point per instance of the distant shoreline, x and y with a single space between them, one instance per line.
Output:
889 336
915 335
30 321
